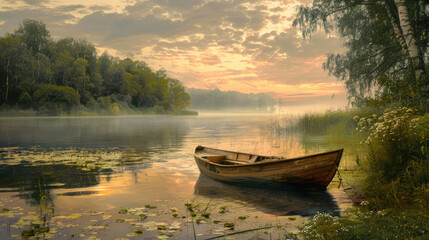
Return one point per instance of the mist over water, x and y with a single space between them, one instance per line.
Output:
108 163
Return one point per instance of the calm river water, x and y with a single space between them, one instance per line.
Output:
110 177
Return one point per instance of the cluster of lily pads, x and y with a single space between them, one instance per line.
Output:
149 221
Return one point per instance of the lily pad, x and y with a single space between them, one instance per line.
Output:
28 233
162 227
230 226
175 225
42 229
199 220
72 216
123 211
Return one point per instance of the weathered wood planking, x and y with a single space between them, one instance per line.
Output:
317 170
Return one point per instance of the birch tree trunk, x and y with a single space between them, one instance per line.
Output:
397 29
410 40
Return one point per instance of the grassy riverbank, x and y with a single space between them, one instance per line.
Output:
394 169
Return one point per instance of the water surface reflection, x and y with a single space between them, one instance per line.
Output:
108 163
272 199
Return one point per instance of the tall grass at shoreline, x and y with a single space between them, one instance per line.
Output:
391 149
397 166
394 164
326 131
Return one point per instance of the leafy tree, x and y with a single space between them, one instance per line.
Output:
62 66
9 56
41 69
113 81
104 63
79 49
387 44
80 80
34 35
177 95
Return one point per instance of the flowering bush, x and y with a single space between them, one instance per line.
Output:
325 226
398 155
357 224
399 125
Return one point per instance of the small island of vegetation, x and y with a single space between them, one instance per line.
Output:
40 76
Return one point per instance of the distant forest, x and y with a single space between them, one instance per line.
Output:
67 77
223 100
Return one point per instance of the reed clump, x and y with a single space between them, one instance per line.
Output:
332 122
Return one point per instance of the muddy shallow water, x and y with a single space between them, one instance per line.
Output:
130 177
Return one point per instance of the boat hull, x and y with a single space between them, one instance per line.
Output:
315 170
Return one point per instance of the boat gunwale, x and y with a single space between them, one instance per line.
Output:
281 159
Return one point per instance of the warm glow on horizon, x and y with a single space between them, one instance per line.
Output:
249 47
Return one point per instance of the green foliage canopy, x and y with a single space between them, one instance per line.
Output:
37 72
387 44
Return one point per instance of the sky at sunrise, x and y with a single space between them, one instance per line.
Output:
238 45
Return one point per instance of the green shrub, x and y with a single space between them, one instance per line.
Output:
397 168
92 105
25 100
55 100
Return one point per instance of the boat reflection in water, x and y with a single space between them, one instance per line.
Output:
274 199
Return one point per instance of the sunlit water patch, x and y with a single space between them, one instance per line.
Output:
130 177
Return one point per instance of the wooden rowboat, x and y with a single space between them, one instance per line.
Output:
314 170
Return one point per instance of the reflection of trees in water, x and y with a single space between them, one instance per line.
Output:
34 182
140 132
273 199
34 172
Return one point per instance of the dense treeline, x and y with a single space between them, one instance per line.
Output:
66 76
223 100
